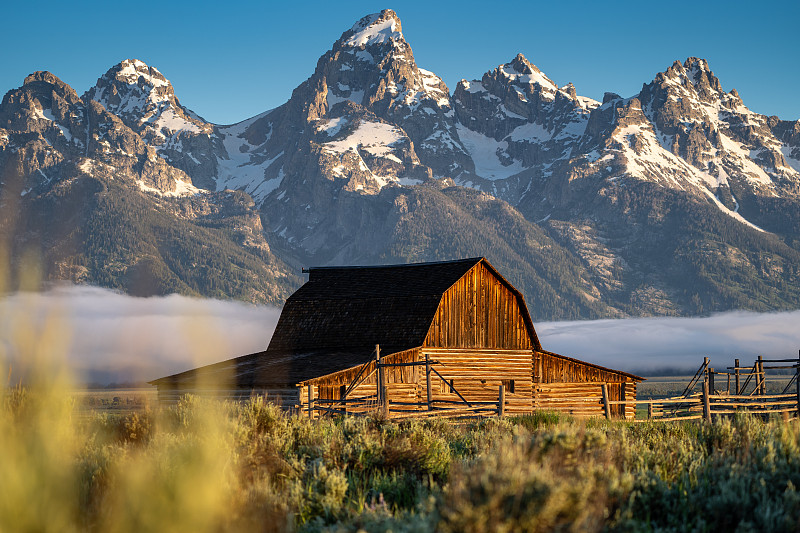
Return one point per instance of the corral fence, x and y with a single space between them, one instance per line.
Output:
710 394
744 391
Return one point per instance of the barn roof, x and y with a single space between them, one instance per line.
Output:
334 320
359 307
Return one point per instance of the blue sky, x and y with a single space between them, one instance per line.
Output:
231 60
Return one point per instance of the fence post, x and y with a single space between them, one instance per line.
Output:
501 402
649 411
428 380
310 390
736 371
383 396
706 402
606 407
797 382
762 382
711 386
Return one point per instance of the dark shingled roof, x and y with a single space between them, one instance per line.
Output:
334 321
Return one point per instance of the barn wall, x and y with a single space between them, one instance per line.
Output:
584 399
479 311
478 373
475 373
549 368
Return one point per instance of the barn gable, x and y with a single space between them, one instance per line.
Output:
482 310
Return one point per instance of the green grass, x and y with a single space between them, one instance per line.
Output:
209 466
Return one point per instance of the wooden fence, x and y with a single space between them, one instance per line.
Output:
745 392
405 409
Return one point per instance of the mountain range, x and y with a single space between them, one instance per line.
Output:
678 200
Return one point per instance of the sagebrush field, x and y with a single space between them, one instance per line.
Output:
211 466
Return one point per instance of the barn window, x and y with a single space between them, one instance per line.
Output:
342 391
509 385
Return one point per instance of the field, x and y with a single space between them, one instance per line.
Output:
208 466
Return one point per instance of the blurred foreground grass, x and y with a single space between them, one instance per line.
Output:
211 466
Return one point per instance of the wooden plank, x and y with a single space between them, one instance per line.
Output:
673 419
746 397
765 411
751 404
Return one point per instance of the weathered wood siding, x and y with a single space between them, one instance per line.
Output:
568 385
584 399
475 373
479 311
551 368
478 373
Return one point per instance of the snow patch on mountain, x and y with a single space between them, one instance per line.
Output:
787 155
357 97
172 122
133 69
733 214
182 188
530 132
243 169
485 153
332 126
376 138
534 77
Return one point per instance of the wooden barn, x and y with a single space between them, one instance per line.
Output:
444 338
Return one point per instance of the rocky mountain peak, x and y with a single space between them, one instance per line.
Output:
131 87
44 104
523 72
521 64
701 76
144 99
44 76
47 82
694 76
378 28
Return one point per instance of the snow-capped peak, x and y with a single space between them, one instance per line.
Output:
143 98
377 28
132 86
134 70
521 70
694 72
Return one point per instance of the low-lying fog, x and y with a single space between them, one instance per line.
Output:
110 337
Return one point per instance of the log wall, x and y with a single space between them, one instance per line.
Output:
475 373
478 373
553 368
586 399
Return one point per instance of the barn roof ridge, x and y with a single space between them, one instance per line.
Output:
397 265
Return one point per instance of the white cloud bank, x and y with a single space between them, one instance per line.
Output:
110 337
650 345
